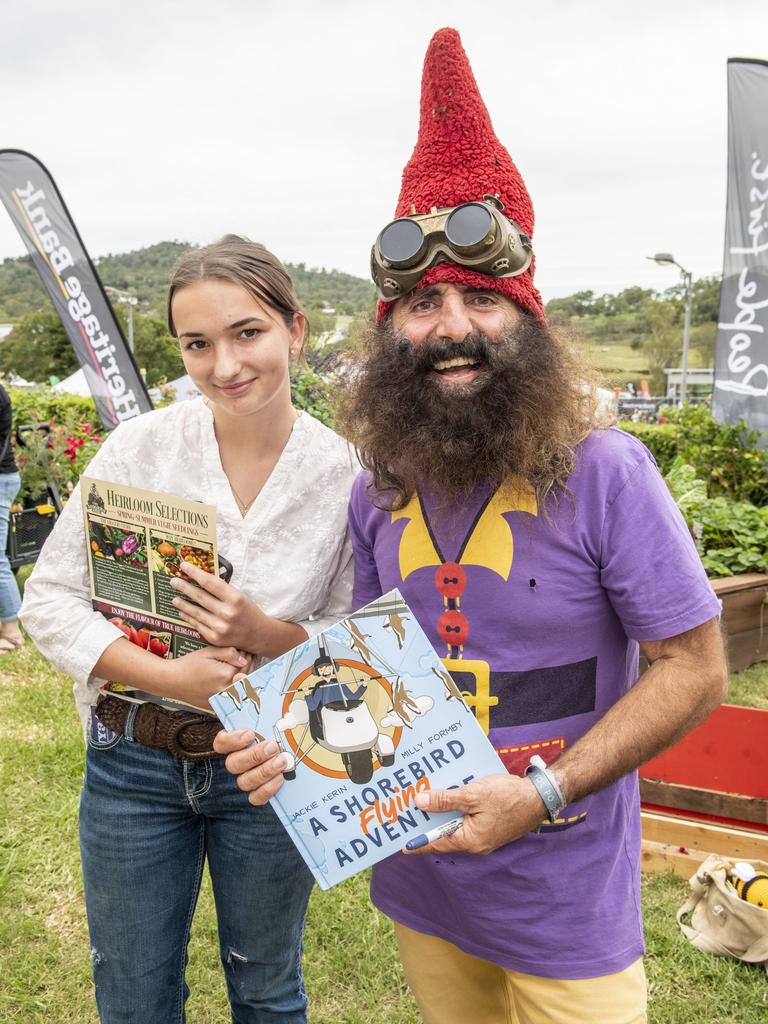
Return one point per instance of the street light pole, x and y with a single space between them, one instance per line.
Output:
130 301
686 334
666 259
127 300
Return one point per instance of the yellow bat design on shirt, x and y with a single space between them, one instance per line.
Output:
490 543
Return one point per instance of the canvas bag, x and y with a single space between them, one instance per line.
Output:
722 923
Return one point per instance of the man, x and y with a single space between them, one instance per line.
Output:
537 553
328 692
328 689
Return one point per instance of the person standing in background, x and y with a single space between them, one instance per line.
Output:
10 484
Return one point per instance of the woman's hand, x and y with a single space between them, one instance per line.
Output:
196 676
225 616
258 768
222 614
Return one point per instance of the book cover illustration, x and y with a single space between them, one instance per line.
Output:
136 541
369 716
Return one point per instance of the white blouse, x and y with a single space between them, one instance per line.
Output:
290 553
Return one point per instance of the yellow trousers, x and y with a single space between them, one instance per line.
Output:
452 987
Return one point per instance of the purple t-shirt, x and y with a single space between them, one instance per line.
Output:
538 619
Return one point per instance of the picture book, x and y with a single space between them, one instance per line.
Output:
369 717
136 541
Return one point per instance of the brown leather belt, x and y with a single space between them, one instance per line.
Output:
187 736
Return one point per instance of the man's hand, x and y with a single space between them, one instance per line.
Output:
497 810
258 768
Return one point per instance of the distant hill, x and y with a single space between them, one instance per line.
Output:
145 273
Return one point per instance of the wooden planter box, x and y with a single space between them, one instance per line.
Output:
745 618
708 793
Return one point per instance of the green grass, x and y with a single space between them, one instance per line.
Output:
750 688
611 358
617 363
351 967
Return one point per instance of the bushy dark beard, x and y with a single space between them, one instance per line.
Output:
517 418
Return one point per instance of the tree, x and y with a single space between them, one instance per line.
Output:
38 348
630 300
578 304
663 341
319 322
703 338
705 305
154 349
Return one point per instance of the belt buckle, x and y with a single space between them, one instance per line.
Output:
174 738
482 700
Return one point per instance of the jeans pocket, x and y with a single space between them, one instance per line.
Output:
99 737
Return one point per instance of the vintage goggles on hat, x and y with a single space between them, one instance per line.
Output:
474 235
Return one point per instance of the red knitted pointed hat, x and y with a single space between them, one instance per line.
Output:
458 159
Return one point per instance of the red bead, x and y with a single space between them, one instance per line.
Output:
451 580
453 628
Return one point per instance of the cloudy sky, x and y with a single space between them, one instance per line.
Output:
291 121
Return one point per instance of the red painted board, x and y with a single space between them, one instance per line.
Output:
752 826
728 752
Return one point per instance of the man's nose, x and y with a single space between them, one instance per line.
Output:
453 322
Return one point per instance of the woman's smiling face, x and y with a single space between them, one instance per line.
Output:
235 348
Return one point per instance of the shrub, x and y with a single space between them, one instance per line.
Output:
731 536
44 405
661 439
724 455
60 455
312 393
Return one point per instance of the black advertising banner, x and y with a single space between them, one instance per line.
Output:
741 360
36 208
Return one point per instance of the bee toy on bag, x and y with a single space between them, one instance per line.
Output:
729 905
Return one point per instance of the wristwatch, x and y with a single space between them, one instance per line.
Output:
545 781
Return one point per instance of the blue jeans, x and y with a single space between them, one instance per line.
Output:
10 599
147 824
